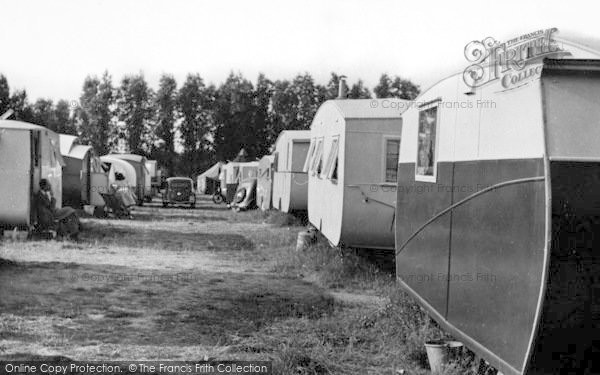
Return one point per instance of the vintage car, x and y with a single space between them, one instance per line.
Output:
245 196
179 190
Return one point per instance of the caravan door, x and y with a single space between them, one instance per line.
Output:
19 165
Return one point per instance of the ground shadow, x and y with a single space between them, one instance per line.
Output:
124 305
177 239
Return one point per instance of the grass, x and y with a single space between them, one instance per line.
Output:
184 284
378 338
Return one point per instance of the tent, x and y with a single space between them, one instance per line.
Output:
208 181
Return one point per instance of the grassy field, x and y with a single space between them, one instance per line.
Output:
183 284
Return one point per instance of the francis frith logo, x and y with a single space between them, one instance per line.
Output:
511 63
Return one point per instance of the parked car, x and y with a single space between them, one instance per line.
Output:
245 196
179 190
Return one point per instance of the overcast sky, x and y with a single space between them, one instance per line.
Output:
48 47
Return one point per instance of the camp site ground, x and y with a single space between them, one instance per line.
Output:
180 283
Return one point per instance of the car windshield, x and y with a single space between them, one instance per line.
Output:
180 184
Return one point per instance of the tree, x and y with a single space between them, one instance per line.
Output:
19 103
62 117
134 108
262 117
332 86
4 95
43 113
194 101
95 113
234 118
166 107
396 88
359 91
294 104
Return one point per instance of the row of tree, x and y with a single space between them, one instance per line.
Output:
203 122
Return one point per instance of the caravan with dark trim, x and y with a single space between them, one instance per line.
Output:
498 214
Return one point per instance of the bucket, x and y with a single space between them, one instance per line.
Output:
440 352
89 209
304 240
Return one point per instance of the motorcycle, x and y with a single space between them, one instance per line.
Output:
218 197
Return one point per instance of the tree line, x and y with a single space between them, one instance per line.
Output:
208 122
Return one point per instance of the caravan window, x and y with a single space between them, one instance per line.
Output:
392 152
426 153
331 165
317 162
309 156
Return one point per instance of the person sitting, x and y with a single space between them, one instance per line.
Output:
63 221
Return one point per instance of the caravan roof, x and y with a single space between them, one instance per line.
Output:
369 108
54 139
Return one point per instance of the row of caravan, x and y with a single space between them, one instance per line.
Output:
276 181
489 196
78 177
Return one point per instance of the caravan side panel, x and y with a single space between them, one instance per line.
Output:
369 201
15 174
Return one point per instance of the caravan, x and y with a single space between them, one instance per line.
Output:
290 182
264 185
120 173
232 174
351 165
143 185
497 212
83 176
245 192
28 153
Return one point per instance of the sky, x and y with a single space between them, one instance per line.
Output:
49 47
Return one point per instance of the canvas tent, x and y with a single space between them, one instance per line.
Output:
83 176
208 181
28 153
290 182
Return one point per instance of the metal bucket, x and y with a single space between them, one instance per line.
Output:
440 352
